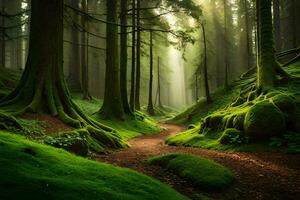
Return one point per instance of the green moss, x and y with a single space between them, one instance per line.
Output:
34 171
231 136
264 120
285 103
140 124
203 173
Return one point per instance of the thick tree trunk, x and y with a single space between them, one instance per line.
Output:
112 106
138 59
248 33
123 58
206 83
276 23
150 108
74 57
132 82
42 87
267 65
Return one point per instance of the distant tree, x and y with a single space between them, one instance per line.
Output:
150 108
138 57
133 57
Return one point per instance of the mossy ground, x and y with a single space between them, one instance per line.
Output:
132 126
203 173
35 171
209 122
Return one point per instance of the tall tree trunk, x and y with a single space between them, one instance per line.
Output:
158 83
150 108
112 106
206 83
42 87
2 36
277 26
248 32
267 65
84 55
132 82
123 57
226 46
74 57
138 59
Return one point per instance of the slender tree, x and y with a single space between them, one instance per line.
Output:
226 71
138 58
123 57
150 108
112 105
84 54
160 105
205 70
132 82
2 42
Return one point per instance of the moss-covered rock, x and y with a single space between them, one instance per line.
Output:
214 121
238 121
231 136
264 120
285 103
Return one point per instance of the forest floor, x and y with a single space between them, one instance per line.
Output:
263 175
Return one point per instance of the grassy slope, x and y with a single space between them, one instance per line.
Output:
201 172
34 171
222 99
142 124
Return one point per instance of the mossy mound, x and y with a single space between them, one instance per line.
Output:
264 120
203 173
35 171
231 136
286 103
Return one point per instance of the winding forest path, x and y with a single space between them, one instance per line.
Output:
267 176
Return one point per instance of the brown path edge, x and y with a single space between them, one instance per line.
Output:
264 175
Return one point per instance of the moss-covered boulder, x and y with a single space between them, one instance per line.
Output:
231 136
214 121
264 120
238 121
285 103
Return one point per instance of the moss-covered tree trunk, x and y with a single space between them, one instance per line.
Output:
132 81
123 57
276 22
267 67
138 59
42 88
112 105
150 108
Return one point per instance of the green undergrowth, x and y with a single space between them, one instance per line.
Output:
35 171
245 119
203 173
132 126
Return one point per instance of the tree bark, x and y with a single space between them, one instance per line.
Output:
112 106
3 36
276 23
123 58
267 65
206 83
150 108
132 82
158 83
74 57
85 55
138 59
226 45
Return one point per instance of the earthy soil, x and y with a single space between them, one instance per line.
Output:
266 175
52 124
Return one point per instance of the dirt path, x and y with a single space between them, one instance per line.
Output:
259 175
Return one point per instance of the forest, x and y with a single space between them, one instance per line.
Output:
150 99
